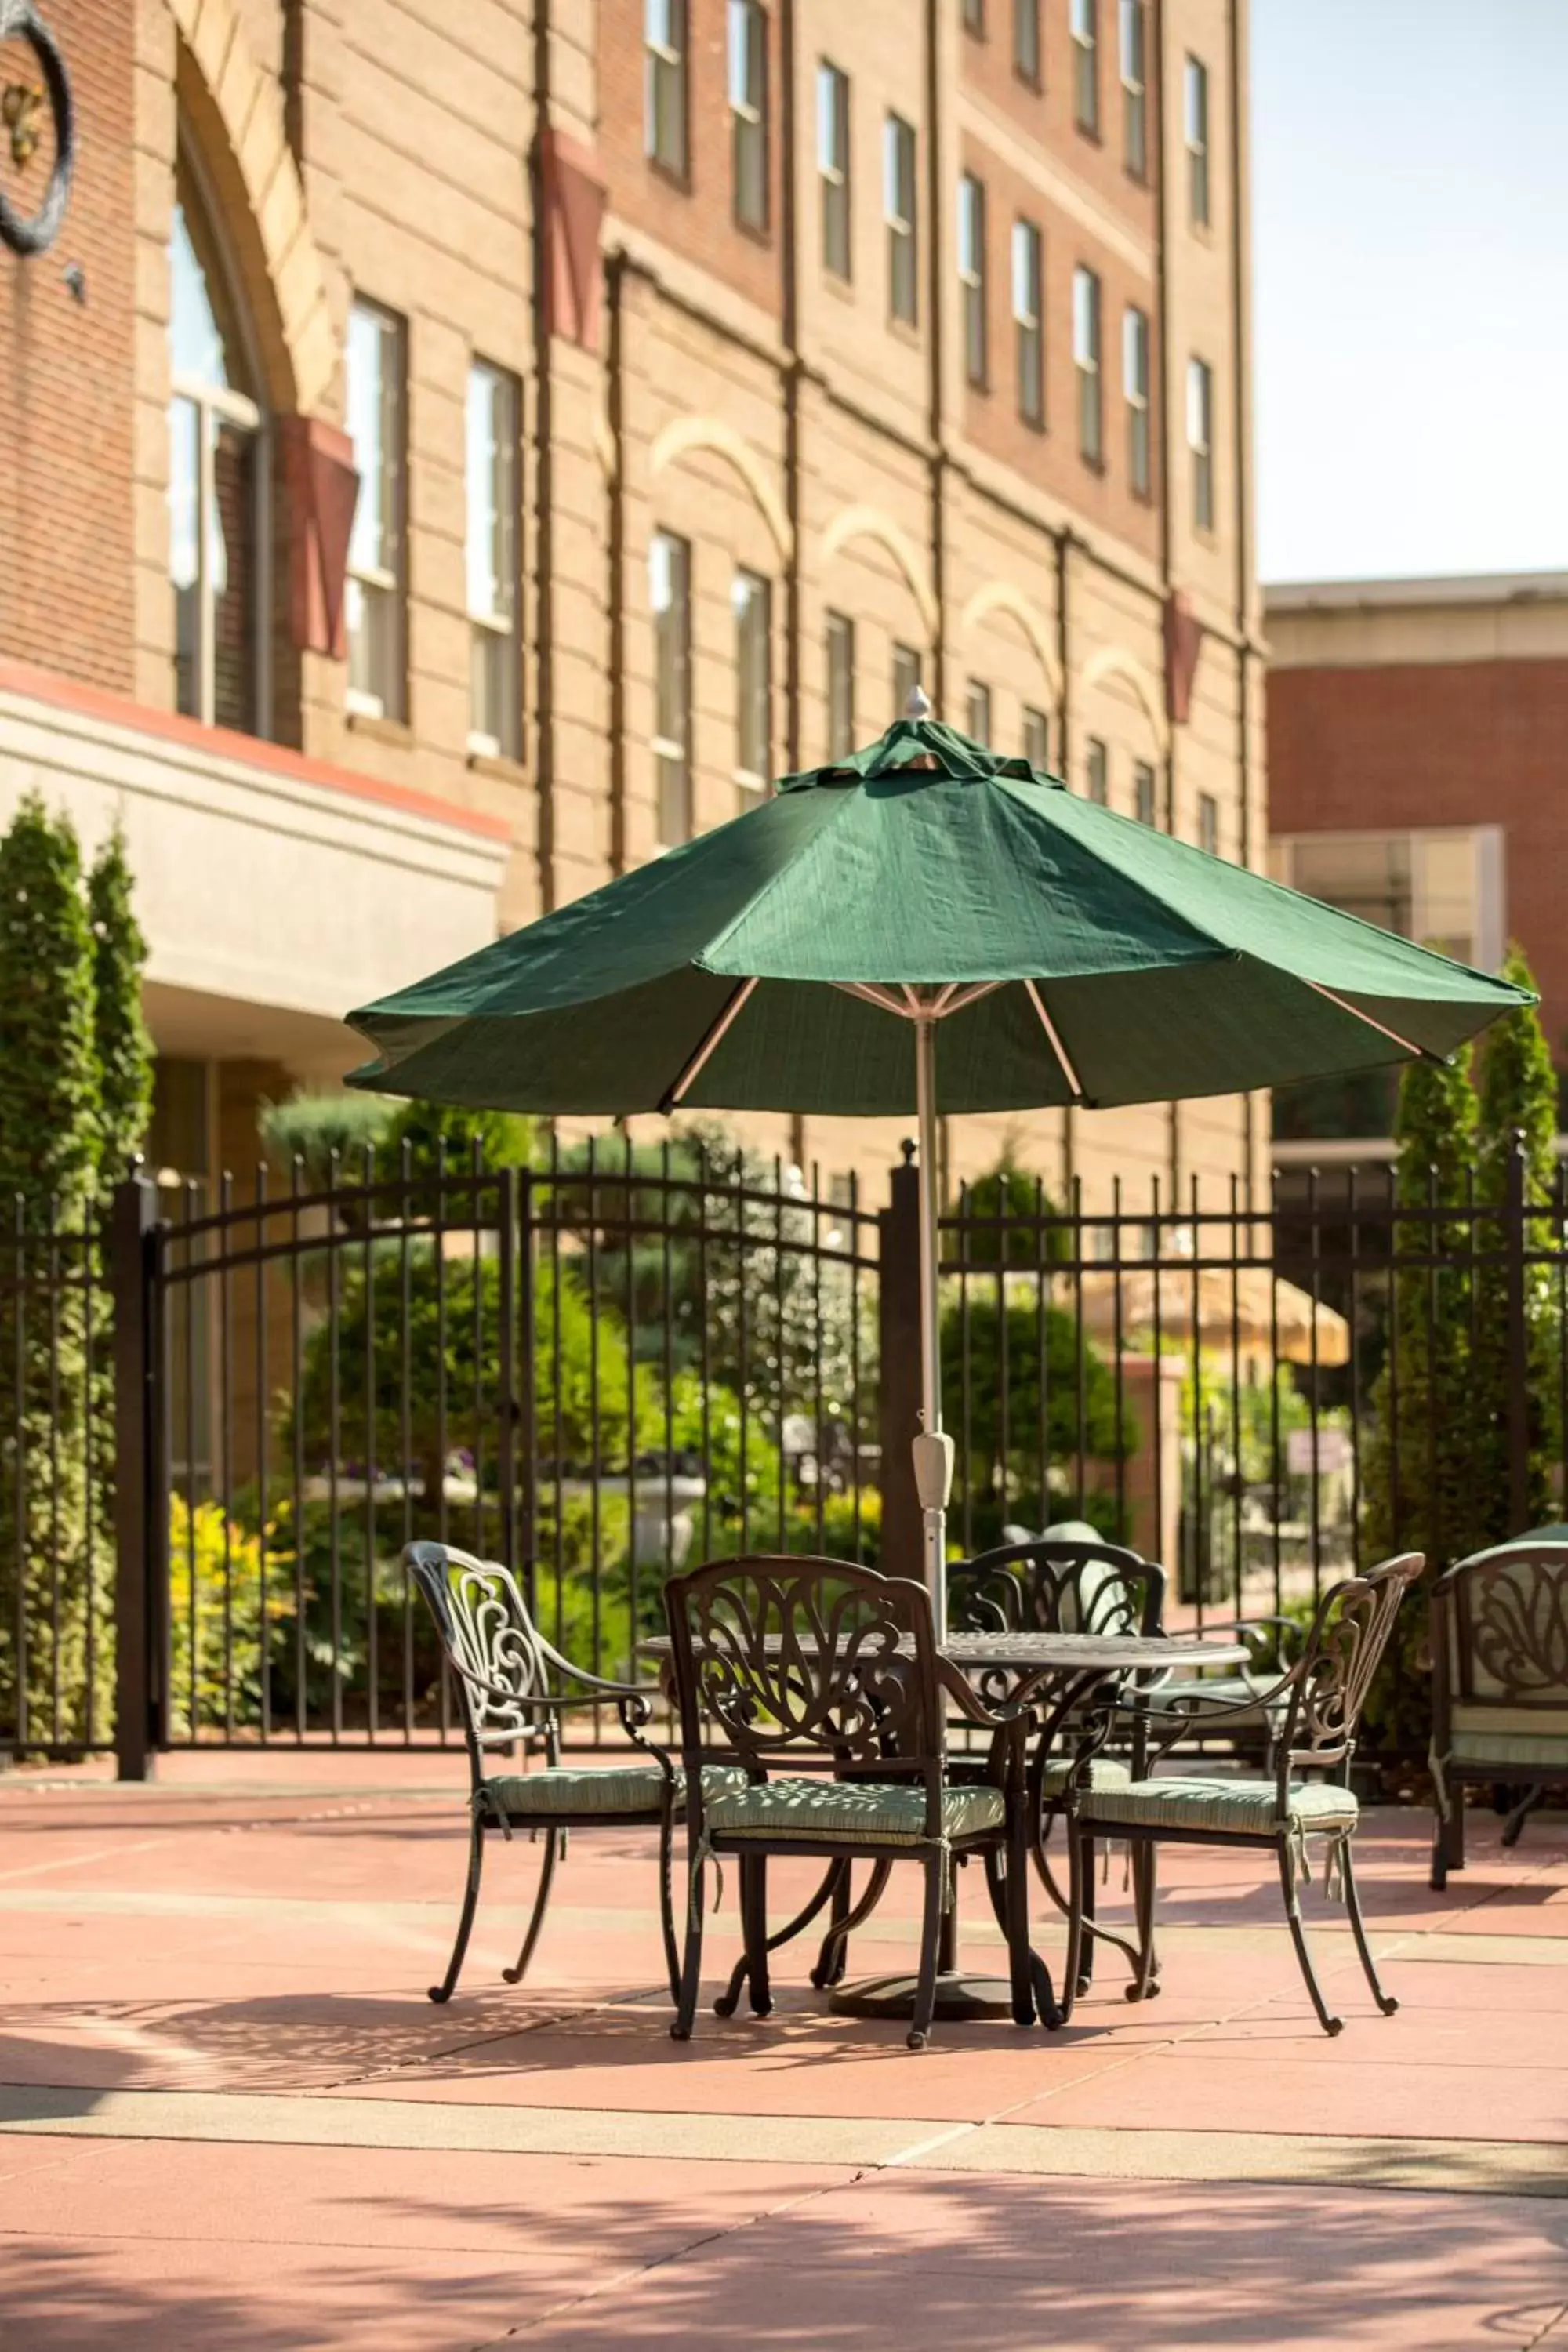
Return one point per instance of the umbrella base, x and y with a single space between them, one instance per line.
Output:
958 1996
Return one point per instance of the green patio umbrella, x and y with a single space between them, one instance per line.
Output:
925 924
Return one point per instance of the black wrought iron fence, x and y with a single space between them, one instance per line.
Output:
229 1412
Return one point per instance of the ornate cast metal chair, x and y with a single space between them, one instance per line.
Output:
1327 1690
814 1663
1061 1583
1500 1686
509 1680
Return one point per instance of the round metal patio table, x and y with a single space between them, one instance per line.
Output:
1054 1673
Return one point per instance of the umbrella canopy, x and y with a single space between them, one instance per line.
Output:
1258 1311
1074 956
1066 955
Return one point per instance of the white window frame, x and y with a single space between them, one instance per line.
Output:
750 593
1209 823
1134 31
972 278
382 580
1085 25
979 712
909 669
667 85
1200 441
748 85
215 405
833 170
495 626
1028 320
1037 737
900 210
1136 375
1097 771
1196 135
672 753
1088 351
1145 792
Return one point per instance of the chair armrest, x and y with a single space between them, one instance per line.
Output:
956 1686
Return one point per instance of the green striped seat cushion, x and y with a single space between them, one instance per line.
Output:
1105 1773
1546 1751
885 1813
561 1790
1245 1808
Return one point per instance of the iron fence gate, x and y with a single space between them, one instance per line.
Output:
227 1414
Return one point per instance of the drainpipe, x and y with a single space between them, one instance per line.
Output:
544 473
616 536
935 213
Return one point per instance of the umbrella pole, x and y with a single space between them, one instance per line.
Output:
933 1463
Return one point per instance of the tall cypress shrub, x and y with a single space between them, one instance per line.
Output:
1518 1111
122 1048
55 1562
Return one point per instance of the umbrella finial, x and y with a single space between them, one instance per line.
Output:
919 704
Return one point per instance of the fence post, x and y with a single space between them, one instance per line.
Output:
899 1392
1514 1244
140 1531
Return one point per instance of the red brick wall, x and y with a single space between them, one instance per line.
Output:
1045 116
991 417
696 220
66 375
1439 744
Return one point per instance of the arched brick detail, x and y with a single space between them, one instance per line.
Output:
235 114
1001 597
1111 662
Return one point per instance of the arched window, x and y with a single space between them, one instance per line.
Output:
218 502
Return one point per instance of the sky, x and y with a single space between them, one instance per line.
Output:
1410 260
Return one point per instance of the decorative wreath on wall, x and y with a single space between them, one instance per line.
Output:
20 20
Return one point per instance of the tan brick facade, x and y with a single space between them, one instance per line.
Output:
683 373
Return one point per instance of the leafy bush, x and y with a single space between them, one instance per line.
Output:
215 1617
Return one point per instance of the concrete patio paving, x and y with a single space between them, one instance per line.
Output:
230 2118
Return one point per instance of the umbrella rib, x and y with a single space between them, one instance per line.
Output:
1057 1048
883 998
1421 1052
692 1066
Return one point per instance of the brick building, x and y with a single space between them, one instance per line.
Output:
456 452
1418 775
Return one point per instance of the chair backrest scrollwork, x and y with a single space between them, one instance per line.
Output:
1343 1648
1057 1584
499 1664
806 1660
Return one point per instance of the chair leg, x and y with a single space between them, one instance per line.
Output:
1016 1893
1437 1876
931 1940
1516 1820
1075 1972
1329 2023
1145 1984
1083 1901
667 1907
540 1904
443 1991
691 1961
1384 2001
754 1924
833 1957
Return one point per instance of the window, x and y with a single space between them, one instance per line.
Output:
840 685
972 274
1038 740
1444 887
833 166
664 90
748 112
1097 771
1208 824
978 711
751 598
1144 792
1134 88
670 594
1195 108
1135 384
1027 41
906 677
1086 361
491 434
1086 65
975 18
373 599
218 491
1027 272
898 204
1200 440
